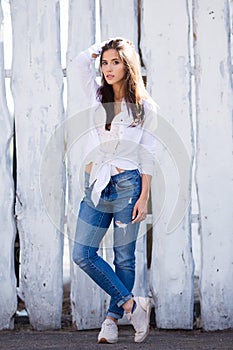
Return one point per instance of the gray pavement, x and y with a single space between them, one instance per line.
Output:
24 338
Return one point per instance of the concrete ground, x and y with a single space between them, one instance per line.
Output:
24 338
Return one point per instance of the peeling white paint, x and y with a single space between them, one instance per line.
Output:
214 160
8 300
37 91
165 52
119 19
37 87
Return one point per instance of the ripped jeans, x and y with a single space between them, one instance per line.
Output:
117 202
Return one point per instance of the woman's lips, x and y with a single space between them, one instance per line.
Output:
109 76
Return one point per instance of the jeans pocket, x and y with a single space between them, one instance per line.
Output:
127 182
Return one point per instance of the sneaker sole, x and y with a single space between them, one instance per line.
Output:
148 310
105 341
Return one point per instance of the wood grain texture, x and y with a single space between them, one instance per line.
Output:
8 300
119 19
37 91
214 160
165 52
166 48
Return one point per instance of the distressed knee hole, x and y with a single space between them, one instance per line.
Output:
120 224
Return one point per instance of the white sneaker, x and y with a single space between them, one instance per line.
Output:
109 332
140 318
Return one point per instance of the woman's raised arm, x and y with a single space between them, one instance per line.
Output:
86 76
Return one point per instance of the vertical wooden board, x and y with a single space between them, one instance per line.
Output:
87 312
214 160
37 91
8 301
165 53
81 35
119 18
231 36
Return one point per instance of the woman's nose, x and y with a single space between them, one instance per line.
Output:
109 67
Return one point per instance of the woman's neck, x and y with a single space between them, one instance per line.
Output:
118 99
118 93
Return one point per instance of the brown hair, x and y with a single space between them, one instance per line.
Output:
134 87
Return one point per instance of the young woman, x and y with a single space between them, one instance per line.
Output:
119 167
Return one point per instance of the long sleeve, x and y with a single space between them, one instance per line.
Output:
86 77
148 142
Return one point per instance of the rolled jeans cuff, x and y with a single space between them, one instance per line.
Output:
114 315
124 300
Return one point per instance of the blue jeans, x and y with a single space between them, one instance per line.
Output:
117 202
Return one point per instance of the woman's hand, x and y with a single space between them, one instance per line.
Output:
98 48
140 210
94 55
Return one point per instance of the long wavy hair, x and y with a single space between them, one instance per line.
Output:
134 88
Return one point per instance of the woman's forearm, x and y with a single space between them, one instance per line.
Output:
146 183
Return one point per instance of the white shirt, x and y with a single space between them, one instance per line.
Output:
124 147
109 135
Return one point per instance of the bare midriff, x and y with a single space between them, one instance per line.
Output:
88 167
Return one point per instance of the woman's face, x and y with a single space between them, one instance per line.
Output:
112 67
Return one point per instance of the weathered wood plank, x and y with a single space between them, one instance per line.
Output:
119 18
37 90
214 160
81 35
8 300
165 52
87 312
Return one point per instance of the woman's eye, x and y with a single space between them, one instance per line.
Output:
104 63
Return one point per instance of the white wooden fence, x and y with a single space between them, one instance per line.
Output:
186 49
